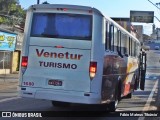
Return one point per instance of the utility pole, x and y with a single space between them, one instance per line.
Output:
38 1
158 4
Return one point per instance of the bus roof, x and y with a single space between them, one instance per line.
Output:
53 6
79 7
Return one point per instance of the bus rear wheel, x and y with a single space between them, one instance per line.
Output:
60 104
113 105
129 95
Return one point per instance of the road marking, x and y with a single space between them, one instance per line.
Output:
147 105
8 99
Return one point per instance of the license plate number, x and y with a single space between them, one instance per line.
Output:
55 82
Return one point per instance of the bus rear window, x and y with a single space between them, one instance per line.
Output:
67 26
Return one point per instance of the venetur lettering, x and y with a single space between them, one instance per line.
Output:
66 55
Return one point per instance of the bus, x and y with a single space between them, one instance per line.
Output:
75 54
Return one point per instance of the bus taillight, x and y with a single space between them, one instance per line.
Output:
24 61
92 69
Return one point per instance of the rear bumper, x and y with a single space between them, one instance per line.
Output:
61 95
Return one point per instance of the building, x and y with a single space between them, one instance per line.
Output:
124 22
7 47
156 34
135 30
139 32
10 50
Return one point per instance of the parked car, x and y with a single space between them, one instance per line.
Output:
156 47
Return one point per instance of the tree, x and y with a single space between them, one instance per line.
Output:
11 12
7 6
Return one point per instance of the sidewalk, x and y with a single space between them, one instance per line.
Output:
8 79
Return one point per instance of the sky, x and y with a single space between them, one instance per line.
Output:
112 8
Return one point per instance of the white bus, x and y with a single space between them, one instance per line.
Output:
75 54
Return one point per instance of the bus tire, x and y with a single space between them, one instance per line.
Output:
60 104
113 105
129 95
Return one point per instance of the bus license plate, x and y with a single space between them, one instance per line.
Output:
55 82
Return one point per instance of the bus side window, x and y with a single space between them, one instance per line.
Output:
119 42
129 46
119 48
107 37
122 43
111 37
137 49
132 48
125 50
115 39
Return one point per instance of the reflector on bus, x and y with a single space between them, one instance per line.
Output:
24 61
92 69
62 9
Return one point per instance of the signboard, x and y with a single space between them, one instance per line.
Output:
7 41
142 16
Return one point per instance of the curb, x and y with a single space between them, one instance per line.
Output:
8 79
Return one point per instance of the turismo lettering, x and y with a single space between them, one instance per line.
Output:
57 65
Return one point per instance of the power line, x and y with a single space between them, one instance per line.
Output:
154 4
157 18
